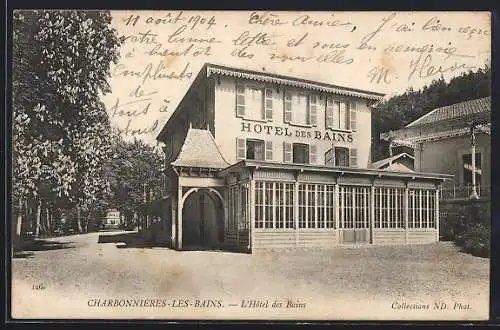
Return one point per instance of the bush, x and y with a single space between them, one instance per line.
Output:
469 227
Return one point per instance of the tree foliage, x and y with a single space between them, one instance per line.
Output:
401 110
134 174
61 131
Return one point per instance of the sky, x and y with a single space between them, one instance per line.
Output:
385 52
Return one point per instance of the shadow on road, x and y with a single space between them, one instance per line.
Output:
26 249
217 249
22 255
128 240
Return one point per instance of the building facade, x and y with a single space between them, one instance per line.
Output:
443 141
258 160
112 220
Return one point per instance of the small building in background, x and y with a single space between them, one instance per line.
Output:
443 140
112 220
402 162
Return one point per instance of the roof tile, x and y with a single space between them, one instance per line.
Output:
200 150
454 111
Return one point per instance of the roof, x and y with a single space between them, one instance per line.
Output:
385 161
465 109
398 167
210 69
291 81
337 170
200 150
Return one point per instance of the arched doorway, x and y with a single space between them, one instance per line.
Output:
202 220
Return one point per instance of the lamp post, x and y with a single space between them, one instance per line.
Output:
474 194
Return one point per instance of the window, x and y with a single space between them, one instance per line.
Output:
354 207
232 207
421 208
467 168
273 205
300 109
300 153
243 208
389 208
316 206
237 202
284 205
254 149
342 157
253 102
340 114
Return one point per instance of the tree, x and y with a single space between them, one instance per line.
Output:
61 62
134 171
401 110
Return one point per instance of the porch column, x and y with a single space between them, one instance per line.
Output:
173 221
405 211
473 156
180 204
337 211
226 215
296 210
251 232
436 209
372 212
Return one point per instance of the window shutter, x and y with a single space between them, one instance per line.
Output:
241 148
313 109
353 158
329 160
268 103
343 116
287 152
352 116
269 150
312 154
288 107
240 100
329 113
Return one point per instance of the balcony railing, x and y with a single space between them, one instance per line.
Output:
463 191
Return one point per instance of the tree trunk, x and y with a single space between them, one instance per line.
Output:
87 219
78 219
19 224
47 220
38 216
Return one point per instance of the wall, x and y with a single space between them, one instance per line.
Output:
228 127
195 109
443 156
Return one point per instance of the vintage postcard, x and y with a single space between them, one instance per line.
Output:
244 165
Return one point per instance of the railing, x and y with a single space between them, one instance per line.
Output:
463 191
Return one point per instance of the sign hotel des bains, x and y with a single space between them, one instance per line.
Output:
257 160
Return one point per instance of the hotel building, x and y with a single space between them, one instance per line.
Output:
258 160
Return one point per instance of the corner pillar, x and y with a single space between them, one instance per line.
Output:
180 203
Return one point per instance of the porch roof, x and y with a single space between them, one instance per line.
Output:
200 150
335 170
